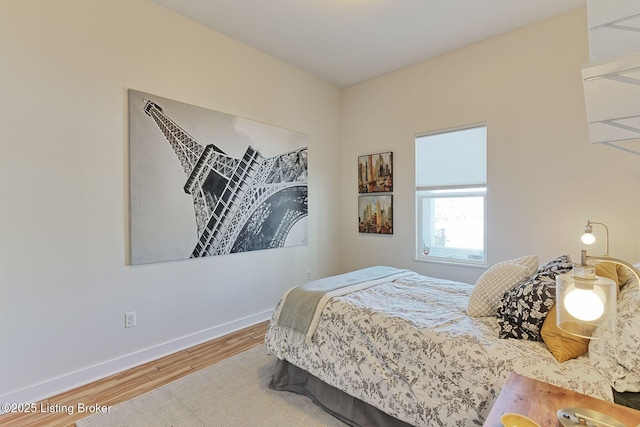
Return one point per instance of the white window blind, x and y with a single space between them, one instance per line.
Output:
456 158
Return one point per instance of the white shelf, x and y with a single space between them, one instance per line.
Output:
612 79
612 99
614 28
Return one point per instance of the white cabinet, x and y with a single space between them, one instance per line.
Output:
612 79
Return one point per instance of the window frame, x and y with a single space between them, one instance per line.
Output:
448 191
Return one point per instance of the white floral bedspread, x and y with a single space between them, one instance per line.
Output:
408 348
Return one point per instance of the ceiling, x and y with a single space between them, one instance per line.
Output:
348 41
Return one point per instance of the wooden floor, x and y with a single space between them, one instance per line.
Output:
128 384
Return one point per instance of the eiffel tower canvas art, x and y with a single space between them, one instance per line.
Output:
204 183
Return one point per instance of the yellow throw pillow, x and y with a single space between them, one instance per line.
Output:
562 345
608 270
624 274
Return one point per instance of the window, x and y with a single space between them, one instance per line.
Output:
451 176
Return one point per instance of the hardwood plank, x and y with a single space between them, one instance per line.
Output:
141 379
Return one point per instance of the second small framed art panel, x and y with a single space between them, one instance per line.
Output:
375 214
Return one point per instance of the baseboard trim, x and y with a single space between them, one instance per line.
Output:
52 387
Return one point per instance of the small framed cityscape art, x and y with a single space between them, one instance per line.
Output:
375 214
375 173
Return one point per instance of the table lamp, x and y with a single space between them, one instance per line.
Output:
588 238
586 302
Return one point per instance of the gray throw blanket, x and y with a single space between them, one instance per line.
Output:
303 304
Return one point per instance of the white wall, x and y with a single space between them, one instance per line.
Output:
64 280
544 178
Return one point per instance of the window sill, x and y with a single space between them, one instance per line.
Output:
460 263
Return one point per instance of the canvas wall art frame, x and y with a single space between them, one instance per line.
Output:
205 183
375 173
375 214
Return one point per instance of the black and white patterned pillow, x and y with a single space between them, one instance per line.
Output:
522 310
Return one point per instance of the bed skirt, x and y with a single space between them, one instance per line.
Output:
348 409
629 398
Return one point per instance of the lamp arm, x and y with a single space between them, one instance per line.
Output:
585 258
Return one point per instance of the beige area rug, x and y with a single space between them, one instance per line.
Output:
231 393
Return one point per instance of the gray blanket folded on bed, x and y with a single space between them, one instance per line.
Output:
302 302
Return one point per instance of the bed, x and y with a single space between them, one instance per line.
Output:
401 349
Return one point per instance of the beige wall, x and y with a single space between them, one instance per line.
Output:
544 178
65 286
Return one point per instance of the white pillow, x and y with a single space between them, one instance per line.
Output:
617 357
500 278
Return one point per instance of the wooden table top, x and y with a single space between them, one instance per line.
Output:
541 401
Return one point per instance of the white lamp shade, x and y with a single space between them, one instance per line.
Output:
588 238
582 305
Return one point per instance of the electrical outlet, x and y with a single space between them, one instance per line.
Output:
130 319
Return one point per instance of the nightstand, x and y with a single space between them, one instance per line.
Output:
540 402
